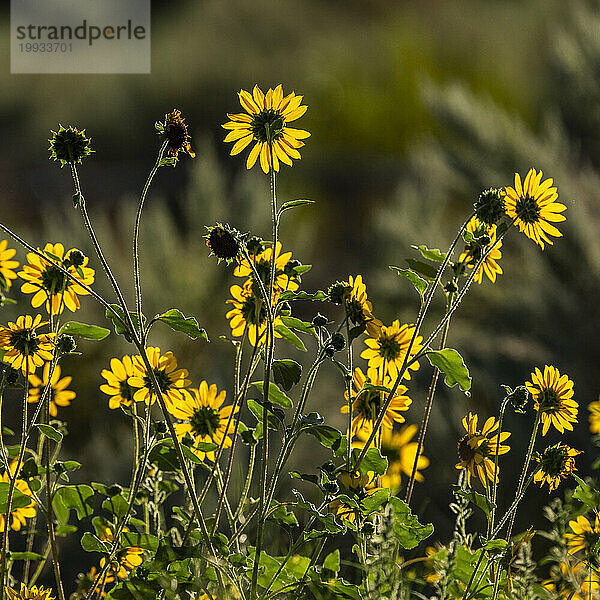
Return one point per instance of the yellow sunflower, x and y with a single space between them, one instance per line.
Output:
355 486
533 207
478 448
594 408
400 451
473 253
117 382
572 582
7 265
360 309
127 558
265 122
262 264
51 286
553 397
584 537
386 351
203 418
25 348
60 395
171 380
20 515
556 463
248 315
29 593
367 404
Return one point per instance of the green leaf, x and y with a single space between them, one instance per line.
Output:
64 530
19 499
496 546
176 320
419 284
298 324
164 458
286 373
423 269
372 461
476 498
407 529
288 335
50 432
337 589
300 295
451 363
332 561
586 494
293 204
431 253
91 543
77 497
327 436
119 321
273 419
25 556
275 394
139 540
87 332
282 515
374 501
117 505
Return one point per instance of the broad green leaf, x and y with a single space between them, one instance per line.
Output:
281 514
286 373
418 282
450 362
139 540
424 269
273 418
293 204
407 529
298 324
117 505
374 501
326 435
50 432
288 335
119 322
164 458
332 561
275 394
19 499
431 253
176 320
77 497
586 494
300 295
337 589
372 461
476 498
91 543
87 332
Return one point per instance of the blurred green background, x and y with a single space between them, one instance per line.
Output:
414 108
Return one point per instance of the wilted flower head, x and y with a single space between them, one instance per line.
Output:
69 145
224 242
174 131
556 463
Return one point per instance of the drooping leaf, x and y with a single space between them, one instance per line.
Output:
164 457
288 335
476 498
586 493
50 432
298 324
424 269
372 461
430 253
19 499
119 321
293 204
286 373
77 497
275 394
451 363
87 332
91 543
418 282
407 529
176 320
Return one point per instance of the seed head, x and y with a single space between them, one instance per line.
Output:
69 145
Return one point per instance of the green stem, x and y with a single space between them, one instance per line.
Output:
495 480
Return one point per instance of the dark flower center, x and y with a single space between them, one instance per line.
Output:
54 281
548 400
177 134
554 462
205 421
368 404
263 268
466 452
267 125
490 206
126 391
253 311
223 243
389 348
355 312
24 341
527 209
163 380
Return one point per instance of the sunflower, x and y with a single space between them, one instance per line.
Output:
533 207
117 382
21 514
24 348
265 122
7 266
400 452
248 314
175 132
29 593
127 558
553 397
359 309
368 402
594 408
473 252
203 418
387 350
478 448
171 380
585 537
357 487
61 396
52 286
572 582
262 264
556 463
